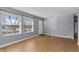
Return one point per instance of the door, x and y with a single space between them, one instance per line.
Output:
75 27
40 27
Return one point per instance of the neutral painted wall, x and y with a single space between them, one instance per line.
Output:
59 26
8 39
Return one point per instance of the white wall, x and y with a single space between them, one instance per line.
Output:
59 25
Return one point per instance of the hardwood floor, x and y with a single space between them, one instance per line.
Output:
43 44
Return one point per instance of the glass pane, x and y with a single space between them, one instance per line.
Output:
10 24
28 24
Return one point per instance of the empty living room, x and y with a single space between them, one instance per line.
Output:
39 29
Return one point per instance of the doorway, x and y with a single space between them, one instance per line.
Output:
40 27
75 27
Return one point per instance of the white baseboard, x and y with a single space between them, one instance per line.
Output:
78 44
60 36
16 41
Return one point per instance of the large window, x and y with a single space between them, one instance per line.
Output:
10 24
28 24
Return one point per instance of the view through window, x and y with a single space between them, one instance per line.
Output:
28 24
11 24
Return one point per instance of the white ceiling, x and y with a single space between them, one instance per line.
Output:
48 11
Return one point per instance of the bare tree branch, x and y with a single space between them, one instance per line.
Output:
5 20
10 19
16 20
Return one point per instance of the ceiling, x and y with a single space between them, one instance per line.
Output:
46 12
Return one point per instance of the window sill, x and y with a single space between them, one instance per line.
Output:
29 32
2 36
8 35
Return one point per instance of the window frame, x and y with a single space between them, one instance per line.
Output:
3 14
21 29
32 30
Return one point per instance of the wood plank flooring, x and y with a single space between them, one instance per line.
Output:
43 44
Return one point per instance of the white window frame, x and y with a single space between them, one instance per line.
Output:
31 19
2 13
21 25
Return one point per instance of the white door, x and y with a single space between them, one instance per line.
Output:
40 27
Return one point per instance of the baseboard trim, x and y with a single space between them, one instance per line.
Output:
78 44
60 36
17 41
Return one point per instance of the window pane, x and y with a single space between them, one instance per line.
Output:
28 24
10 24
